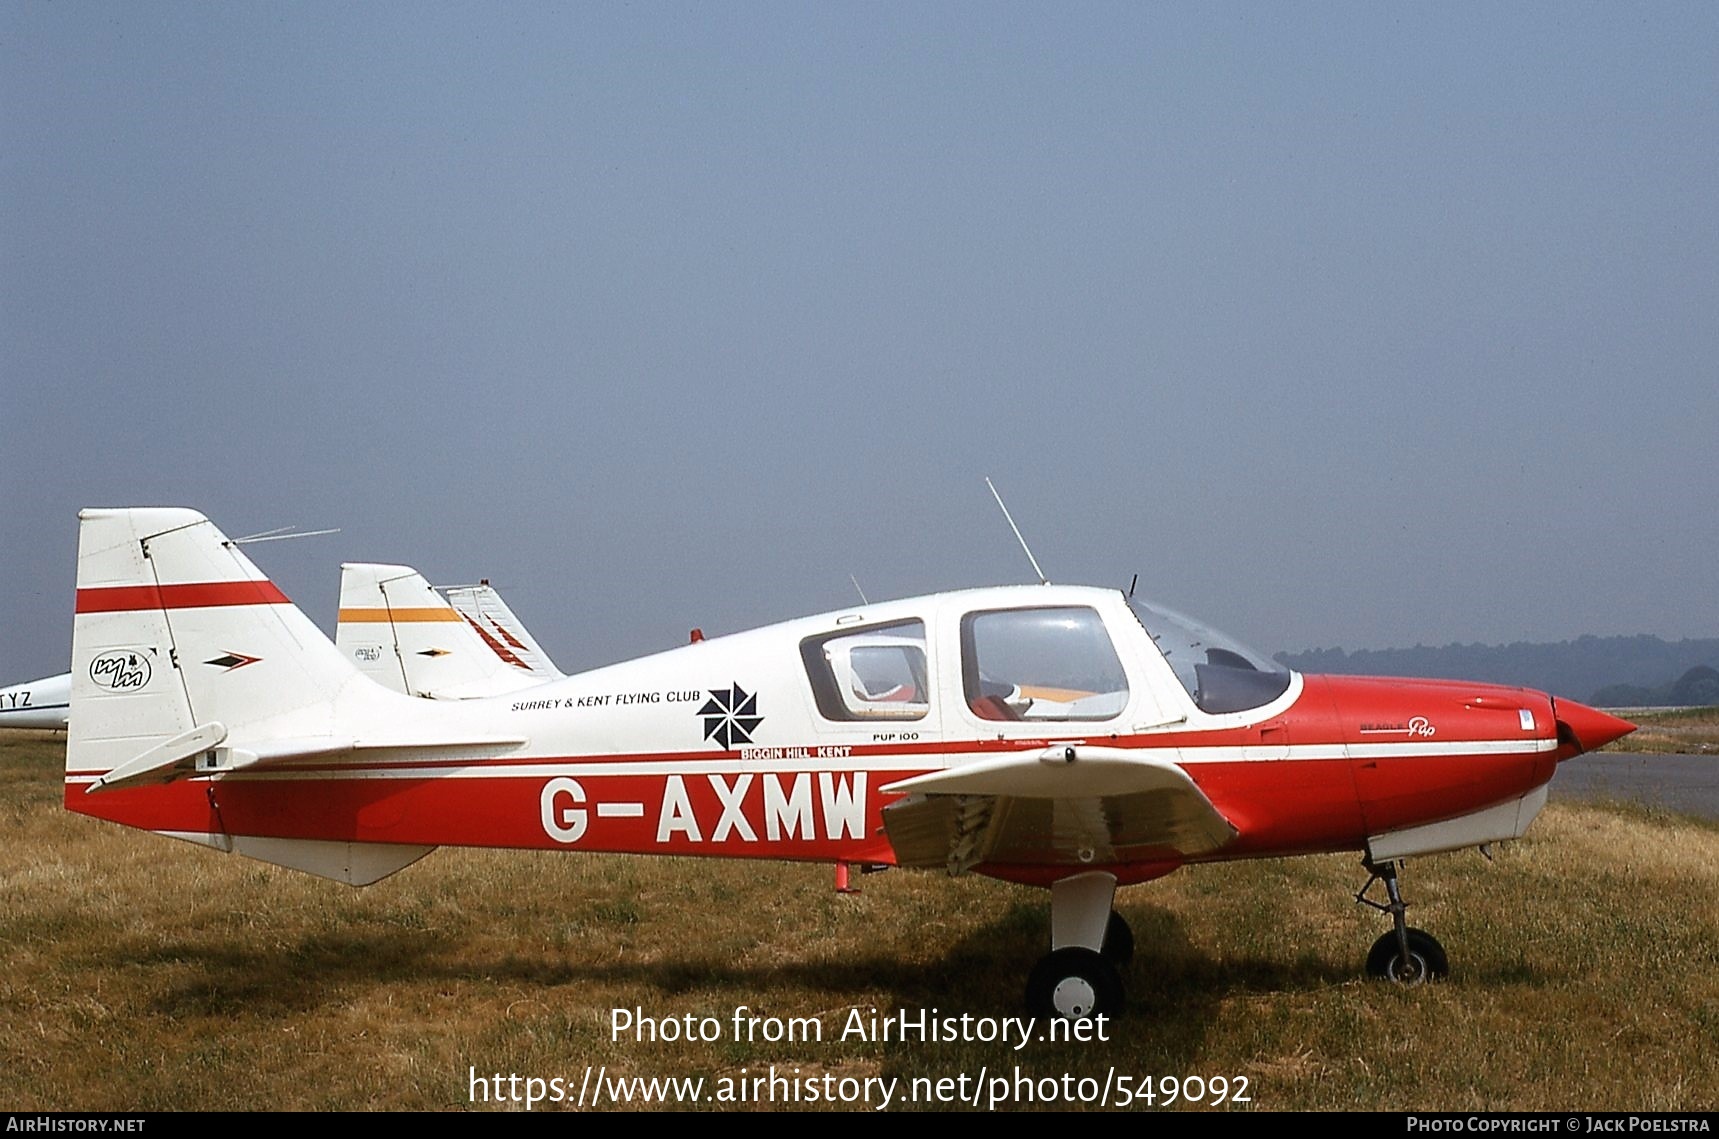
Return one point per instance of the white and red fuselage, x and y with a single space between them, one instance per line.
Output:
735 746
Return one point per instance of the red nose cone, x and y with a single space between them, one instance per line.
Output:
1589 728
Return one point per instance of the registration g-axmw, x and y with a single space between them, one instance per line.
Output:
829 805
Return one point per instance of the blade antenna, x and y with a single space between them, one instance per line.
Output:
1043 580
858 590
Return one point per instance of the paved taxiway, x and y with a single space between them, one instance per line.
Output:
1686 783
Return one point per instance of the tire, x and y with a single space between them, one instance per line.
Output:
1427 960
1074 984
1118 941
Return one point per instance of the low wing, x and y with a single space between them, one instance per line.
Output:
1070 805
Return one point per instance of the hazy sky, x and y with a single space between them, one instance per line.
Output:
1359 326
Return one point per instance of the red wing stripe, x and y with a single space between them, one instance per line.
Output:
198 595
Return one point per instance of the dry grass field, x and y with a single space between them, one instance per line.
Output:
143 973
1693 731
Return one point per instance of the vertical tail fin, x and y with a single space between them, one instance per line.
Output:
505 634
180 644
405 636
176 630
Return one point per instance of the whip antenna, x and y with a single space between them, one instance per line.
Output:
281 534
1043 580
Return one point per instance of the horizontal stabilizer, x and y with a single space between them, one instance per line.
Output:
165 762
321 747
198 752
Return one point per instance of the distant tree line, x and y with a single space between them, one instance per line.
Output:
1606 671
1700 685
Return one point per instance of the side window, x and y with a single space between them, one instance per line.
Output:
870 674
1041 664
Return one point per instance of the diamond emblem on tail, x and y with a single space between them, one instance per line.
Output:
227 662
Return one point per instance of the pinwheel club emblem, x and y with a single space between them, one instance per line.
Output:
730 716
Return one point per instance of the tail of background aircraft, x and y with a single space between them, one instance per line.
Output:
37 703
397 630
506 636
186 661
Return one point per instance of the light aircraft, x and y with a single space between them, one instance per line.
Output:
1066 737
37 703
505 634
396 629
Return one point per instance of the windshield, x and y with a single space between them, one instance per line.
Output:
1219 672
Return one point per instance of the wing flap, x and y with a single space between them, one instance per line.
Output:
1064 806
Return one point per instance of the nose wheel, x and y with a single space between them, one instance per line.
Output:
1424 961
1406 955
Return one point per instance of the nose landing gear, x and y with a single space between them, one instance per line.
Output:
1406 955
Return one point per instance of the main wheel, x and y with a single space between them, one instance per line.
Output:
1427 961
1074 984
1118 941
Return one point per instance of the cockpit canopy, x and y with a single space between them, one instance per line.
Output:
1013 654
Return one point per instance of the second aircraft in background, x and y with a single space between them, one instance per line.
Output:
397 629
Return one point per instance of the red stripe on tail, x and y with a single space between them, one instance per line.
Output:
198 595
497 647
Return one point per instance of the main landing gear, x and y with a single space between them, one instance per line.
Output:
1405 955
1081 977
